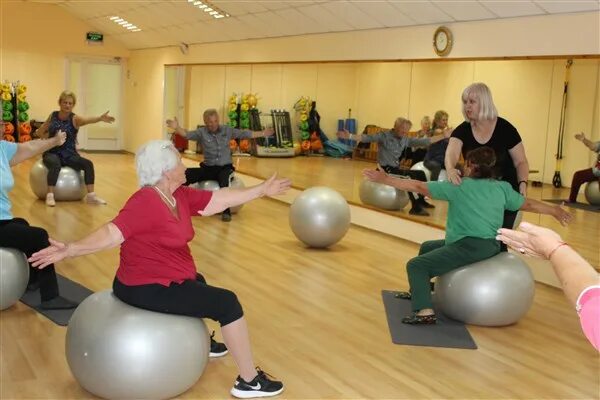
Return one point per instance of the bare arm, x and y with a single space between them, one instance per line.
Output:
451 159
347 135
42 131
409 185
521 164
228 197
178 130
34 147
588 143
79 121
557 212
264 133
574 273
108 236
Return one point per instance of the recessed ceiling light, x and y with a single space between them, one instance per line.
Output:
205 6
124 23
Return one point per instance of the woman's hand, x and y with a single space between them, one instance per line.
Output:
454 176
107 118
54 253
60 138
375 175
531 240
274 186
173 123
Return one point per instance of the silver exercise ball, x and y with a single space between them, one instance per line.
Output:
70 185
319 216
493 292
117 351
234 182
382 196
421 167
14 276
592 193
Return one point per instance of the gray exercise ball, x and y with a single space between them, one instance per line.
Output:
518 219
70 185
493 292
117 351
443 176
592 193
421 167
234 182
319 216
382 196
14 276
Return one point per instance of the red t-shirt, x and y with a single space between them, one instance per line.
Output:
156 248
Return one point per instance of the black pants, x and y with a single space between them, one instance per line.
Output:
194 298
78 163
435 168
17 234
219 173
412 174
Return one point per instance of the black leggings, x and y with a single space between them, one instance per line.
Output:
17 234
412 174
219 173
194 298
78 163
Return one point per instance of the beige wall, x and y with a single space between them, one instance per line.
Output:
35 39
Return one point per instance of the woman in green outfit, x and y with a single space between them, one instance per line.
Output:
475 213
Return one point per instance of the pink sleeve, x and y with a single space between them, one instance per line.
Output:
588 306
197 199
136 216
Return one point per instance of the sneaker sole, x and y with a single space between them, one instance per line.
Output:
249 394
217 355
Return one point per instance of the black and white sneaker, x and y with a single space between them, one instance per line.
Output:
217 349
260 386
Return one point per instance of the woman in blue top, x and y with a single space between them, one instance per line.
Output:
16 232
66 155
475 213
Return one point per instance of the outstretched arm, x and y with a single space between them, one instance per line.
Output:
264 133
561 215
344 134
108 236
410 185
79 121
228 197
29 149
588 143
178 130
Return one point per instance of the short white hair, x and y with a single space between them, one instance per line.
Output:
487 109
153 159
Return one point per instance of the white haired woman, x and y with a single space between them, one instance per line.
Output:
483 127
157 270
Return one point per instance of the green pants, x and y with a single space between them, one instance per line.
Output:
436 258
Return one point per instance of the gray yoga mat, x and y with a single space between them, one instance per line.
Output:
579 206
445 333
67 289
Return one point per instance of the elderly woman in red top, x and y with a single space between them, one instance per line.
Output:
157 271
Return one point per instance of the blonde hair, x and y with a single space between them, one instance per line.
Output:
487 109
65 94
437 117
426 119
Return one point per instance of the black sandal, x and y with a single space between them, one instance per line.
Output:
415 319
403 295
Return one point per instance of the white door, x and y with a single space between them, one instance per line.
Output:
98 87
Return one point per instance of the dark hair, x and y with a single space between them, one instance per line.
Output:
482 162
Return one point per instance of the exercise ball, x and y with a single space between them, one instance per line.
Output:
319 216
234 182
382 196
494 292
14 276
443 176
592 193
421 167
117 351
518 219
69 186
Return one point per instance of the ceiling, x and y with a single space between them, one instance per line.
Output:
170 22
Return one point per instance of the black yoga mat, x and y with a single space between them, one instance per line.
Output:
579 206
445 333
67 289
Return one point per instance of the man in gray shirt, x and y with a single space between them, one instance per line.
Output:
214 138
390 147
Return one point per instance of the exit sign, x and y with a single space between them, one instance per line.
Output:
94 37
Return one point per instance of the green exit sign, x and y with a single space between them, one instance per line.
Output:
94 37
